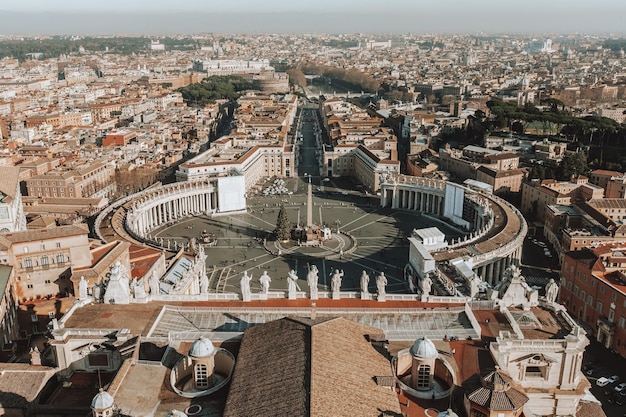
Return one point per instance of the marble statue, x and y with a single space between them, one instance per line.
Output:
552 290
82 289
427 284
245 286
311 279
292 282
154 283
265 282
365 282
381 282
204 283
118 287
335 281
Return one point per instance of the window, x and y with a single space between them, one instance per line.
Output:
28 263
60 258
599 307
602 289
44 261
576 290
582 295
201 376
590 300
622 322
47 281
29 286
423 377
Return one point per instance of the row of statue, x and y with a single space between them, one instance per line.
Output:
312 282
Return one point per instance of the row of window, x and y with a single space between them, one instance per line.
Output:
44 261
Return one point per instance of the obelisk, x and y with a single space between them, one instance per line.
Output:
309 206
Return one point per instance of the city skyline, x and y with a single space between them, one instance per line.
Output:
278 16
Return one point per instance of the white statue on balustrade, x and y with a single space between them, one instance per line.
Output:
311 280
244 283
381 283
365 282
335 281
292 284
265 280
552 290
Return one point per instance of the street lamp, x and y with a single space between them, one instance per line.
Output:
337 224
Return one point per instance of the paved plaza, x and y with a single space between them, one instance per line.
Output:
238 240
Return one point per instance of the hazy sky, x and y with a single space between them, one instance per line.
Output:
191 16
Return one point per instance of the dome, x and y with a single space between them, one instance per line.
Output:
176 413
201 348
424 349
102 400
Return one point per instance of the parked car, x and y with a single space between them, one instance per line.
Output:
613 378
621 387
602 381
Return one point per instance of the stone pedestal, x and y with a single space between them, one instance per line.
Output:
380 297
292 295
262 296
246 297
424 297
336 295
366 296
313 294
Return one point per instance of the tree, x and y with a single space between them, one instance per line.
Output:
296 77
283 225
572 164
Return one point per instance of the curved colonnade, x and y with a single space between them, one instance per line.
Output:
497 230
136 216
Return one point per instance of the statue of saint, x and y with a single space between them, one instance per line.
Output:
204 283
552 290
245 286
265 282
311 279
365 282
82 289
292 282
335 281
381 282
154 283
427 284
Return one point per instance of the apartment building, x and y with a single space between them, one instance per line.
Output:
80 180
42 259
593 289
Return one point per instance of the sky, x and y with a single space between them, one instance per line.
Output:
336 16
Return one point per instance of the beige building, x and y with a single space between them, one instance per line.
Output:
12 218
537 195
43 258
88 179
8 306
503 182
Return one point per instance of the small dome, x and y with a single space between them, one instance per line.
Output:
176 413
201 348
102 401
424 349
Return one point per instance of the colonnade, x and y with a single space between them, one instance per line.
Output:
170 204
423 196
424 201
493 272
